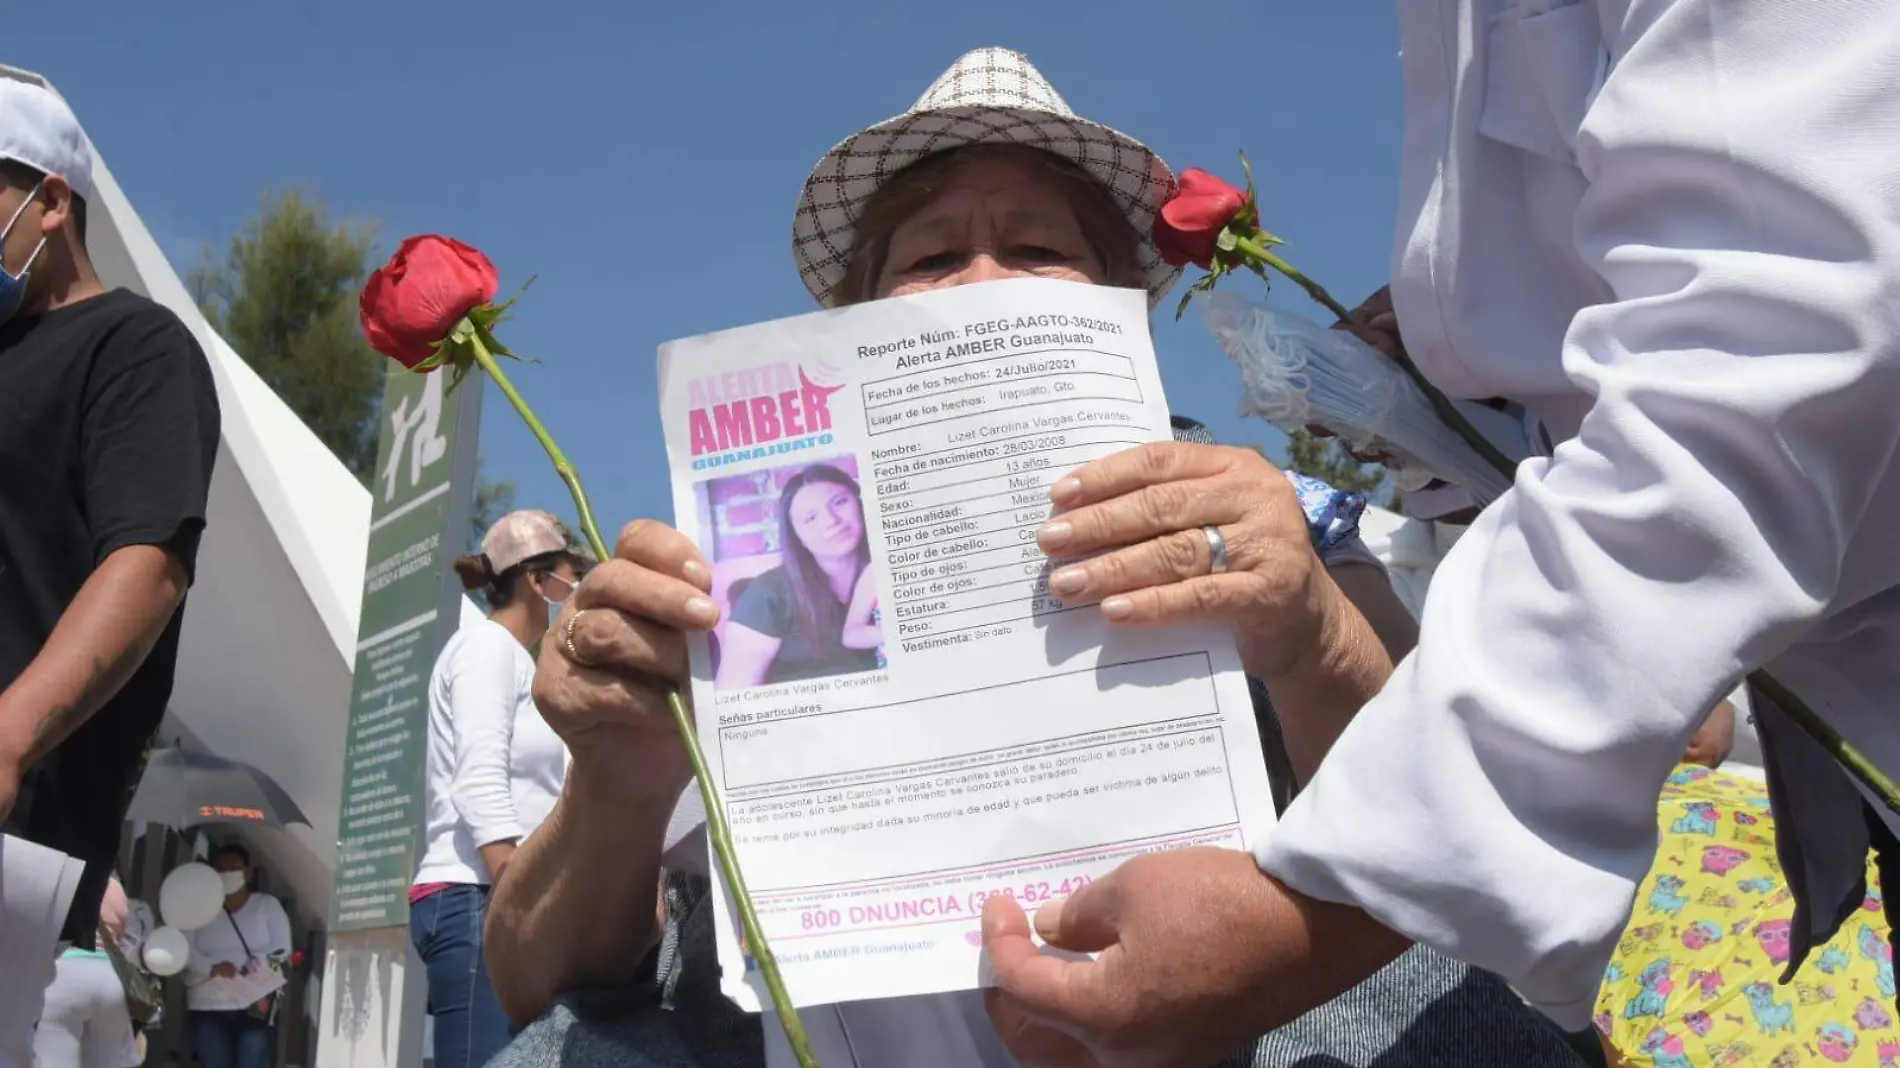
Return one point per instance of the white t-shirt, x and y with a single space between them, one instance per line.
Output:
266 930
495 766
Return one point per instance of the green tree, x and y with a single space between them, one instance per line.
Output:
1327 460
284 296
492 501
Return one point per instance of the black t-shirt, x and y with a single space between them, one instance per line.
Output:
108 431
770 607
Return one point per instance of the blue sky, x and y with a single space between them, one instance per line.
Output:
643 160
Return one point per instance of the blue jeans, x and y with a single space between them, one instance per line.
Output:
446 927
231 1039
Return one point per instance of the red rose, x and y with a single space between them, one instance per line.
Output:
1192 219
412 303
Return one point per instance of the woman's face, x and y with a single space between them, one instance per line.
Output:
232 864
560 581
827 519
999 215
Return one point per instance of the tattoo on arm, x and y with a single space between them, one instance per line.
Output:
102 683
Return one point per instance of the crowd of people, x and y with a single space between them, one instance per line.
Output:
1655 233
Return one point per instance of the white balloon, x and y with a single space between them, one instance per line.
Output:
190 897
166 951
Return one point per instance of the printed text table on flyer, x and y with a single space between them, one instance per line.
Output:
901 719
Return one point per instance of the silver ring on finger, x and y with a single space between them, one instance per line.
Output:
1216 549
567 637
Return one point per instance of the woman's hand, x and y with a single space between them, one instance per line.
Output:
1144 510
1712 742
1376 324
1171 959
604 673
863 596
860 630
224 969
496 855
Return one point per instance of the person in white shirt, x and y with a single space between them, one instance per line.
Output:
236 969
1671 230
494 770
85 1023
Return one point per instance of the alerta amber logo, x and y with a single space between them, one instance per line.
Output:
755 412
230 812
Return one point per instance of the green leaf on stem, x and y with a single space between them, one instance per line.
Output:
1201 285
459 372
488 315
492 342
1225 239
495 346
444 351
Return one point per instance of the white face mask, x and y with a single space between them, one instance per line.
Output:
233 881
13 286
554 606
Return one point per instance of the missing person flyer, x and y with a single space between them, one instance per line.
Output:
902 720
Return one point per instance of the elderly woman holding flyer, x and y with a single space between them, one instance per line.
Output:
990 176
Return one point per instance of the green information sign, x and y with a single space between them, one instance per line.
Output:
423 485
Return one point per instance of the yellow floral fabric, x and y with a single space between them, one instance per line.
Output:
1695 979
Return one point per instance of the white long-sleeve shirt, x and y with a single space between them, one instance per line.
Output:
266 933
495 766
1671 228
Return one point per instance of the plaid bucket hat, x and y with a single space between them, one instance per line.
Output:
989 96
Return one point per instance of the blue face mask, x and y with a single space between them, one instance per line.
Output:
13 286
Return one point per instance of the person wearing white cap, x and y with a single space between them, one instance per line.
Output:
493 770
108 433
988 176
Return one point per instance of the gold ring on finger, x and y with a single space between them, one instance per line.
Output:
1216 549
567 637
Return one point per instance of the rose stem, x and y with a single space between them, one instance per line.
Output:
682 721
1816 728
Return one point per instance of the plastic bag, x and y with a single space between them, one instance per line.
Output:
1299 373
